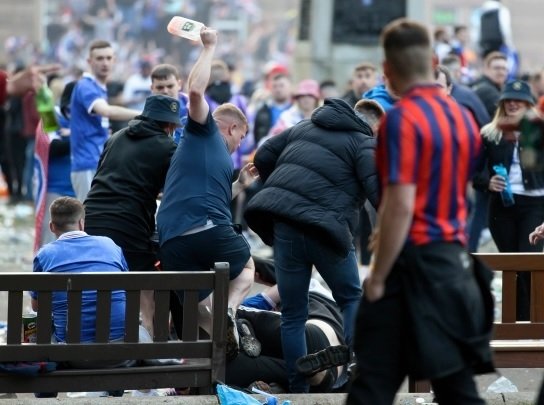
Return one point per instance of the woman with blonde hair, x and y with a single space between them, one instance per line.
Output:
511 223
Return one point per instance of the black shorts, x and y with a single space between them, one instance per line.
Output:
199 251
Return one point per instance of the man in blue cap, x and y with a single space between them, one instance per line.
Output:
131 172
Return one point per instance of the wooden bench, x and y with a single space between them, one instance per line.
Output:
515 344
204 357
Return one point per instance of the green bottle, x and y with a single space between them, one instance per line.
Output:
531 142
46 108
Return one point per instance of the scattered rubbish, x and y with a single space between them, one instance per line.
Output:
501 385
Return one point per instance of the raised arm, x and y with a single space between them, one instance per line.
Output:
200 76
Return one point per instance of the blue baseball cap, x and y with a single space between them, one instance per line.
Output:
162 108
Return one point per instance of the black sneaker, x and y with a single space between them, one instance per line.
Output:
233 339
331 356
248 342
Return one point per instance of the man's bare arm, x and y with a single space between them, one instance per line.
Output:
114 112
394 219
31 78
200 76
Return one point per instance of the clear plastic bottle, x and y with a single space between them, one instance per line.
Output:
45 104
185 28
506 194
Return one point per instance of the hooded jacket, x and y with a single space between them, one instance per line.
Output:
130 175
316 176
382 96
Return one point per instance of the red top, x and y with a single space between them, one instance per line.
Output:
427 139
3 86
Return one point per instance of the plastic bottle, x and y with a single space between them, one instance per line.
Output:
506 194
46 108
185 28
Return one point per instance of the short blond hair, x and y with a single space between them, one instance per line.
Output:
231 111
371 110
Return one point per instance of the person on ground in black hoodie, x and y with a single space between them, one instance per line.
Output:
131 172
316 177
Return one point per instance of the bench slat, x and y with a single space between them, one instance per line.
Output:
519 330
537 296
107 351
161 326
190 317
508 262
509 297
45 316
141 280
103 316
111 379
15 316
73 326
220 302
132 316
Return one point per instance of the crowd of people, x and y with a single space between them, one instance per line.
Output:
392 163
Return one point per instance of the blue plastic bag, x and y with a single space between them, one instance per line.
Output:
230 396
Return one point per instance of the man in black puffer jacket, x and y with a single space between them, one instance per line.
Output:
316 177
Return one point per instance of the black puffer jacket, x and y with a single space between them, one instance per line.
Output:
317 175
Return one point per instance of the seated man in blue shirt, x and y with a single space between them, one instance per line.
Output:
74 252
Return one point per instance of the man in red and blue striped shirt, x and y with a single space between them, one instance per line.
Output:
422 312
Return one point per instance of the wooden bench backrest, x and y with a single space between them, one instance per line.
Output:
509 264
190 345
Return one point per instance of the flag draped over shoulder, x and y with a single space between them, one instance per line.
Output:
41 161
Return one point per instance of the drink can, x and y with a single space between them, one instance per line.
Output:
30 330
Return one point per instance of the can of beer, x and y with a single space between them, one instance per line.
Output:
30 329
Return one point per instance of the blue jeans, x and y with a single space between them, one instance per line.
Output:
478 219
295 251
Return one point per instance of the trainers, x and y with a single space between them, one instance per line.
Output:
331 356
248 342
233 339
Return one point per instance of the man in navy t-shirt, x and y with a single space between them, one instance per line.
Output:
194 220
74 252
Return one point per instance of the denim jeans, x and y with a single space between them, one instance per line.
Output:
295 251
478 219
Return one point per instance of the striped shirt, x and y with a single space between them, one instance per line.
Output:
430 141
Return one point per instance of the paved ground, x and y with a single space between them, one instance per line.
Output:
16 240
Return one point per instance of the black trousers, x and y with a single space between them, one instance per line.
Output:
510 228
384 345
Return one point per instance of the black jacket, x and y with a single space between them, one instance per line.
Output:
317 175
262 123
130 175
489 93
470 100
503 152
